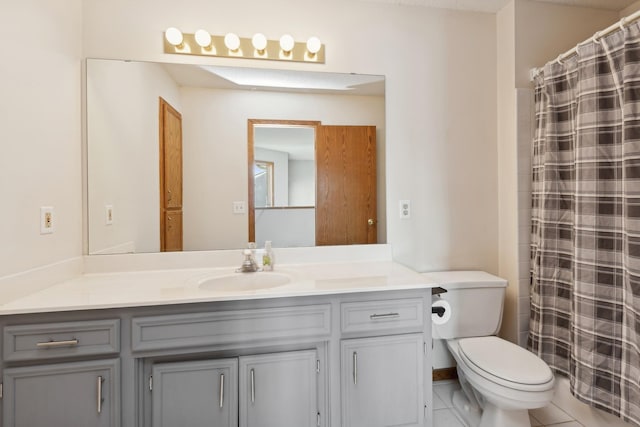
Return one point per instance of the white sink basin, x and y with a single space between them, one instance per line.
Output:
246 281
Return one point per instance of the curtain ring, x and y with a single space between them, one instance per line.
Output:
623 24
559 59
596 37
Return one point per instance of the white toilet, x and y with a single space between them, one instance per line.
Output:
500 380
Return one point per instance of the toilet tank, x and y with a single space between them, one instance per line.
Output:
476 299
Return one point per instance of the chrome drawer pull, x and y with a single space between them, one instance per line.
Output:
221 390
100 399
253 386
384 316
355 368
52 344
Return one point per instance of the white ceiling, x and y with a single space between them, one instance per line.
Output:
494 6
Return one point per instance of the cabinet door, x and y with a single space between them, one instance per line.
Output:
195 394
382 381
66 394
279 390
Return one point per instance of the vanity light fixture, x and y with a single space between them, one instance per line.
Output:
313 45
287 43
259 42
232 42
232 46
174 37
203 38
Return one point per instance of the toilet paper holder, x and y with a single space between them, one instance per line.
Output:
438 309
438 290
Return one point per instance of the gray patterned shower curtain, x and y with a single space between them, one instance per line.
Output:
585 243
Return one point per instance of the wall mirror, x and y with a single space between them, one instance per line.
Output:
136 148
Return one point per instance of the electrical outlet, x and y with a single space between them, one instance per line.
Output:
108 214
405 209
46 220
238 207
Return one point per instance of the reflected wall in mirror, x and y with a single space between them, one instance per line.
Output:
284 164
123 146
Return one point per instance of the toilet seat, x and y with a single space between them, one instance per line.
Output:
505 363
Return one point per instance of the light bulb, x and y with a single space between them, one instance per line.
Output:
313 45
259 41
173 36
203 38
287 43
232 41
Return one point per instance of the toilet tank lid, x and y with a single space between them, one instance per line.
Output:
466 279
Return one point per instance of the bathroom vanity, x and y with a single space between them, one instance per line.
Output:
342 344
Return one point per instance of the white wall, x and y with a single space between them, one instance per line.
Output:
302 183
630 9
441 100
123 156
40 118
545 30
286 228
507 168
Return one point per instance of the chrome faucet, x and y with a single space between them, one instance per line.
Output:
249 265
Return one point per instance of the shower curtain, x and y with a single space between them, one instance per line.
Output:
585 245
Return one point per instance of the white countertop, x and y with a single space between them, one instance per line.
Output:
180 286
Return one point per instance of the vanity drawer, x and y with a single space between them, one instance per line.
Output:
226 327
370 316
54 340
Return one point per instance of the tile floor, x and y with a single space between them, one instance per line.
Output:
443 415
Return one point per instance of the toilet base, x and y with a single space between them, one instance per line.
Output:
468 413
490 416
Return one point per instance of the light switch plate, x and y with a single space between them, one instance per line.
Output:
239 207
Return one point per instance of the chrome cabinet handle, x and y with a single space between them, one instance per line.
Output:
51 344
221 390
100 400
355 368
253 386
384 316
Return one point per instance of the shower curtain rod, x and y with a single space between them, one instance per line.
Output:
618 25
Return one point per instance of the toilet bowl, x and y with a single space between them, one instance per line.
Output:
500 381
505 382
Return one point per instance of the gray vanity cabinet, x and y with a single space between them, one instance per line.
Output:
270 390
279 390
383 381
344 360
196 394
64 394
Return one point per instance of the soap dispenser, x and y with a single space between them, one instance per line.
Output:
252 248
267 257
